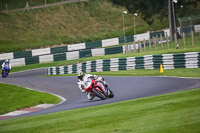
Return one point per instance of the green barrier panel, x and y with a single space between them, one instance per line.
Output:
93 66
127 39
106 65
59 57
114 50
179 60
85 53
22 54
157 60
157 34
74 68
139 62
65 70
122 67
95 44
199 60
51 71
180 65
32 60
59 50
83 67
122 63
57 70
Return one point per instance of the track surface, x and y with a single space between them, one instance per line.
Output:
125 88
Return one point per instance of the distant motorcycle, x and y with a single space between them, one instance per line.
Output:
5 72
98 89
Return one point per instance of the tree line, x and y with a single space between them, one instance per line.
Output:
148 9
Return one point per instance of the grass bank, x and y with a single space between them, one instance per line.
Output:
16 98
67 24
175 112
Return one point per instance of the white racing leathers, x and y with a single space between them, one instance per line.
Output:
82 84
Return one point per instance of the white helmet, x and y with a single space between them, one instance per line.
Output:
80 75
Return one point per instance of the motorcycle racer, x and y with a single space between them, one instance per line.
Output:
6 66
82 78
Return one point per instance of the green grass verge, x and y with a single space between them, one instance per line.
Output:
175 112
14 98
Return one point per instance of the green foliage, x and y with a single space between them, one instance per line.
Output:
151 8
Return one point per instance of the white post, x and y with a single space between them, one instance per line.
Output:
26 7
134 15
6 8
124 12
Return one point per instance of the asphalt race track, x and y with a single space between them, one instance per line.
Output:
125 88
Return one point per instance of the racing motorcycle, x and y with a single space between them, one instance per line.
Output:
4 72
98 89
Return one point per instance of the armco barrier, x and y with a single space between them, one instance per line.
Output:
169 61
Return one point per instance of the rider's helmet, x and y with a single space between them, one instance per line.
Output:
80 75
7 61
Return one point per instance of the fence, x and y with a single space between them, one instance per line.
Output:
189 21
188 37
169 61
10 6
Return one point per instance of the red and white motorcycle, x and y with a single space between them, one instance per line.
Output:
97 88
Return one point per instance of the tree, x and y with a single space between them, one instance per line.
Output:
150 8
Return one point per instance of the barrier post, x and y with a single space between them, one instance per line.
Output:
139 48
6 8
156 42
134 47
144 45
150 43
167 42
161 39
184 39
192 39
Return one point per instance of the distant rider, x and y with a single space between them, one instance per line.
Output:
6 66
81 83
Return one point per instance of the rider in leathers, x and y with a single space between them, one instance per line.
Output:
7 64
82 86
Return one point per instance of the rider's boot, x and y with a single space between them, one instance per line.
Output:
90 96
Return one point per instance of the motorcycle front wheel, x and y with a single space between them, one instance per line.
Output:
99 94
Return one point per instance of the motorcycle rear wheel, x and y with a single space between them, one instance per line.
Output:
4 74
